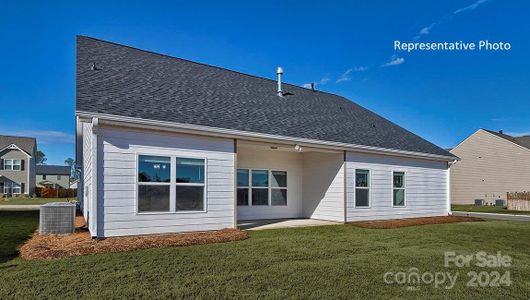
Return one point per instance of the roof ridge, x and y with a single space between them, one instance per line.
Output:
207 65
18 136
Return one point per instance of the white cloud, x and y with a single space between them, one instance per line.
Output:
345 76
45 136
427 30
360 69
394 61
517 134
306 85
470 7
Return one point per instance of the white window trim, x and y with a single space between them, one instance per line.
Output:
11 187
269 187
369 188
13 164
404 188
172 184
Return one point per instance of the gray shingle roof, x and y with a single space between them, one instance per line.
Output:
141 84
27 144
53 170
523 141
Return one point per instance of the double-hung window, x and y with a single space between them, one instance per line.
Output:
258 187
159 191
278 188
362 188
190 183
13 164
243 187
399 188
154 183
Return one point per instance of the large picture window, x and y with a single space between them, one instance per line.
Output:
399 188
362 188
258 187
154 177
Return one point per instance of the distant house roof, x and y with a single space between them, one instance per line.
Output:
523 141
26 144
53 170
119 80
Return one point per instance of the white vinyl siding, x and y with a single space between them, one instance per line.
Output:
120 146
427 187
323 183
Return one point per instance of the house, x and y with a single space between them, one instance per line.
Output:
17 165
493 163
53 176
170 145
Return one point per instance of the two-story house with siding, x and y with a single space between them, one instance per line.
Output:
17 165
53 176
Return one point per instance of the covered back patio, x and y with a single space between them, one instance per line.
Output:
280 185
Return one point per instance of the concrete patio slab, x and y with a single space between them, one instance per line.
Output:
282 223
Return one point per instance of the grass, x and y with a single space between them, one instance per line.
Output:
31 201
339 261
487 209
15 228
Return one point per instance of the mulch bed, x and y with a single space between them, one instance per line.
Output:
397 223
81 243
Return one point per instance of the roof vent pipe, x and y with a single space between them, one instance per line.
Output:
279 72
313 87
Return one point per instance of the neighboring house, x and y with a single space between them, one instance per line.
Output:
53 176
492 164
17 165
170 145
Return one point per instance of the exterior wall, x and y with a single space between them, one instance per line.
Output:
291 162
64 182
117 154
490 167
25 176
426 184
323 186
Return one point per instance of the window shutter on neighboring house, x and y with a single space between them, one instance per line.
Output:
22 188
1 164
22 164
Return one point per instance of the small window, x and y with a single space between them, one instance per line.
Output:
362 188
58 177
260 187
190 178
399 189
43 177
278 188
153 183
243 190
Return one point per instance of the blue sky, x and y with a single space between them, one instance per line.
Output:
346 47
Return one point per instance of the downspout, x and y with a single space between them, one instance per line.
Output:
448 204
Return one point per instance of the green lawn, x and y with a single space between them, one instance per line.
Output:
488 209
31 201
340 261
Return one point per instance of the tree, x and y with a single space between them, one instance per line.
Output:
40 157
73 172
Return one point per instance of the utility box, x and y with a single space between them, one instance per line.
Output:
500 202
57 218
479 202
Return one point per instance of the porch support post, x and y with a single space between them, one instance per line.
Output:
344 164
235 183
